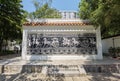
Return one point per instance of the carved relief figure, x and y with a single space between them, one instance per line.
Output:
74 42
37 42
32 40
92 41
66 41
29 43
46 42
85 42
55 42
60 44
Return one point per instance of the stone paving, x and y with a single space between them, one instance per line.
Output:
42 77
18 61
16 69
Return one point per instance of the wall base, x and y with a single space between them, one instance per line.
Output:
63 57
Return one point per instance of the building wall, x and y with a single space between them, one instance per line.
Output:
107 43
69 14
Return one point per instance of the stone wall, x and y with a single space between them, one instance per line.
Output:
82 48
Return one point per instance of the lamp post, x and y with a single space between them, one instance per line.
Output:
114 47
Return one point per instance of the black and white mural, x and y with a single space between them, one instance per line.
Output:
61 43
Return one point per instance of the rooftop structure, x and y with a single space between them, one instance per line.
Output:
56 22
69 14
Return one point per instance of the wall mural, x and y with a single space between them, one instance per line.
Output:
61 43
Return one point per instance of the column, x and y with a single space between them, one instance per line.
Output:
99 44
24 44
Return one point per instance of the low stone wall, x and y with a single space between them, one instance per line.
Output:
0 69
31 68
104 68
11 69
60 69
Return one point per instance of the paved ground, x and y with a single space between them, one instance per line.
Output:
41 77
16 60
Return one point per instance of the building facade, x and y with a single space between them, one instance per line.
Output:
69 14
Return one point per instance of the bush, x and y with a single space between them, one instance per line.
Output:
106 54
118 51
6 52
114 52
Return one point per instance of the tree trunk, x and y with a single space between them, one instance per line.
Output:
1 44
6 44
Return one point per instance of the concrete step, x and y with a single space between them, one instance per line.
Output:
60 69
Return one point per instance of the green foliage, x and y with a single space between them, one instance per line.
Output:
118 50
44 11
86 7
105 13
11 18
106 54
114 51
6 52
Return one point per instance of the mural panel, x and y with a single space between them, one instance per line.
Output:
61 43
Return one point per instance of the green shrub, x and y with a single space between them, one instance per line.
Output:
118 51
114 52
106 54
6 52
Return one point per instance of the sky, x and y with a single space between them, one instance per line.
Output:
67 5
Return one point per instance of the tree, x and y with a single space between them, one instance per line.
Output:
44 11
11 18
40 3
86 7
105 13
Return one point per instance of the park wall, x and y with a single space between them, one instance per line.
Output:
110 42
